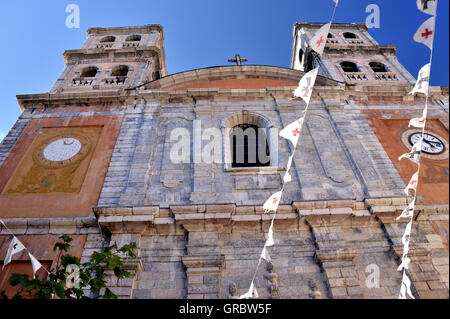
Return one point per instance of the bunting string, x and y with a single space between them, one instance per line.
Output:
15 247
425 34
292 133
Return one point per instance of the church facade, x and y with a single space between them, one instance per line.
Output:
119 151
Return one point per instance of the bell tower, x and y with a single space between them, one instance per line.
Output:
114 58
351 55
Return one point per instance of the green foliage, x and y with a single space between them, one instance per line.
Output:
92 274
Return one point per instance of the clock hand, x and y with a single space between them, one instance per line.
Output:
431 145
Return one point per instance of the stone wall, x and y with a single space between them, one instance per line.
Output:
323 249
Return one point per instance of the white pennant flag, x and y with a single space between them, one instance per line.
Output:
320 39
273 201
306 85
414 154
292 131
423 80
265 254
406 287
408 212
287 177
419 122
425 34
336 1
252 293
269 241
412 183
427 6
405 240
35 263
14 247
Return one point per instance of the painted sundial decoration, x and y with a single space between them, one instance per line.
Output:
56 162
62 150
434 146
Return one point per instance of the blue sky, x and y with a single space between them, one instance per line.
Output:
199 33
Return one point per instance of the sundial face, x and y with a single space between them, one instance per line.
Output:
430 144
62 150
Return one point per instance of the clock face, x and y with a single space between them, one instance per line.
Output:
430 144
62 150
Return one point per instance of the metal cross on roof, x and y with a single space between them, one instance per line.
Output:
237 59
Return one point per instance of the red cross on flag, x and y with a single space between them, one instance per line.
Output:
251 293
320 39
425 34
293 130
273 202
306 85
412 183
419 122
427 6
14 247
423 80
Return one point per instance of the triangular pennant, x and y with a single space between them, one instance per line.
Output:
406 287
269 241
414 154
423 80
419 122
287 176
408 212
412 183
265 254
35 263
425 33
251 293
272 203
320 39
427 6
306 85
293 130
14 247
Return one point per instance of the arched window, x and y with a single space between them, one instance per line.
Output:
89 72
108 39
350 35
378 67
249 146
349 67
120 70
330 36
134 37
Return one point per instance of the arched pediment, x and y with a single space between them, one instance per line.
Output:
233 77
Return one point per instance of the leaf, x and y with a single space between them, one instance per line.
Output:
109 294
3 294
62 246
65 238
69 260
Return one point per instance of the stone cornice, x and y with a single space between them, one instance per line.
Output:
222 218
345 49
337 92
105 54
126 30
